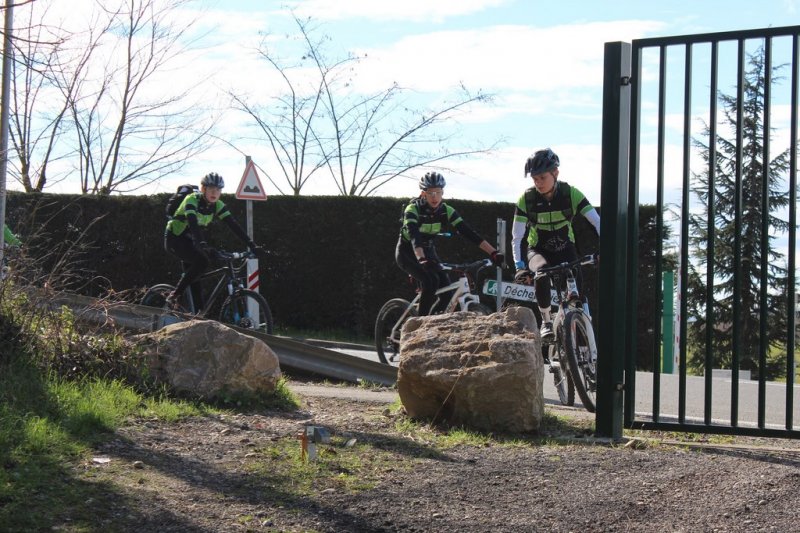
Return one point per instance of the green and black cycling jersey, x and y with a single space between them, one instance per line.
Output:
549 222
195 204
195 213
421 223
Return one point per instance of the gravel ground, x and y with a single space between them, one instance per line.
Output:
242 472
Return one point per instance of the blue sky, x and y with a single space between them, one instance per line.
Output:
542 60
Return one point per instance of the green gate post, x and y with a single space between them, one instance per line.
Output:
613 239
668 342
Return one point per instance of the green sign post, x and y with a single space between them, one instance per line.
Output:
668 319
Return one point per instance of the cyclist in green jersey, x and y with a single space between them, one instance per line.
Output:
546 211
423 219
184 235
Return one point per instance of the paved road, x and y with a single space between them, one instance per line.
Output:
775 405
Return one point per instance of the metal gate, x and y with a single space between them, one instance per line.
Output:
704 127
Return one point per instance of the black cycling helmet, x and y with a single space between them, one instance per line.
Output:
431 180
541 162
212 179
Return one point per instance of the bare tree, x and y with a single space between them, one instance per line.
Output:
97 100
47 70
320 123
126 138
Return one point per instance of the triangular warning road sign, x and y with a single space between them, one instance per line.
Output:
250 187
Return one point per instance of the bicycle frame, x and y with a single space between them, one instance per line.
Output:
461 298
462 295
565 292
228 279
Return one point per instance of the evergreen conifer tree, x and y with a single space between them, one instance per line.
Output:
751 233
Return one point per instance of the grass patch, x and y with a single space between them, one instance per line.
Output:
343 468
48 426
553 430
282 398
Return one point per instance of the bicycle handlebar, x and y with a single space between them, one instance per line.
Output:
590 259
233 256
460 267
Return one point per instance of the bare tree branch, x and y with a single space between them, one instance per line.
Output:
361 142
95 98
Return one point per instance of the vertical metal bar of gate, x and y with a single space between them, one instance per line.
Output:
687 123
613 274
791 296
737 239
763 341
632 231
710 230
662 112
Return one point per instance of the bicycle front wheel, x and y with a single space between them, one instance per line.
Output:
561 378
156 296
581 356
387 329
247 309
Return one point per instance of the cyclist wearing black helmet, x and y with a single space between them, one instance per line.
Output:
425 217
185 238
546 211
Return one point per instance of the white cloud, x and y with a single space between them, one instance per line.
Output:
408 10
507 57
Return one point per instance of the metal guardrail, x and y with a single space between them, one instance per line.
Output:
325 362
291 353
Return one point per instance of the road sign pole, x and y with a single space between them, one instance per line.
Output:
501 247
252 264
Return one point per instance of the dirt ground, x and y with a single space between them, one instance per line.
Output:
243 472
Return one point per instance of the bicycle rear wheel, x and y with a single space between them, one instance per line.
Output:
579 344
561 378
156 296
247 309
387 329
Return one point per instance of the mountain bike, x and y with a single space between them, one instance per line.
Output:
459 295
574 336
517 294
241 306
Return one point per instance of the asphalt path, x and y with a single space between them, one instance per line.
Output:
721 398
775 400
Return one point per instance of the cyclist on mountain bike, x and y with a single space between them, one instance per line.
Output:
546 210
425 217
185 238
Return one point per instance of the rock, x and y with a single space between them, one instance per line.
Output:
206 358
482 372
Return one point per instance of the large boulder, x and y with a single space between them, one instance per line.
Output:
207 359
482 372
